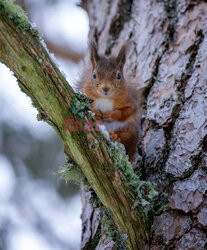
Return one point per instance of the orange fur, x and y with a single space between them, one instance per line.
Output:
113 93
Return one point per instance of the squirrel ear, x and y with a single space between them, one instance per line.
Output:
121 58
93 53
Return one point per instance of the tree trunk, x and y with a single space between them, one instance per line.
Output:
168 56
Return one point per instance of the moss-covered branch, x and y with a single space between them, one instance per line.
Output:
105 166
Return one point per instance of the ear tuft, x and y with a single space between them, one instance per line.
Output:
121 58
93 52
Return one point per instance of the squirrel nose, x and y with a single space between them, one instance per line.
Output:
105 89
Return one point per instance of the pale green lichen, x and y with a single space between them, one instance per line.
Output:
80 105
111 231
70 172
95 142
40 61
142 193
17 15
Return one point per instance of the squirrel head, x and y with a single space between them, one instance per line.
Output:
107 73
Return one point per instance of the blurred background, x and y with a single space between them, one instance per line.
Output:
38 211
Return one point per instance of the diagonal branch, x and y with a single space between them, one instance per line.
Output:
65 52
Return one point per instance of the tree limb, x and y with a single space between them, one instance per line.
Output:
65 52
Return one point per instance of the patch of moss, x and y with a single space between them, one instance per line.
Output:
40 61
18 16
70 172
109 228
142 193
111 231
80 105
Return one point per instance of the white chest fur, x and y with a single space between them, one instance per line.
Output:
104 105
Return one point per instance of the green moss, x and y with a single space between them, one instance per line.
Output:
80 105
142 193
17 15
108 226
70 172
40 61
111 231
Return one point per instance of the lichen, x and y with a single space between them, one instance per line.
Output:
18 16
109 228
80 105
70 172
141 192
40 61
111 231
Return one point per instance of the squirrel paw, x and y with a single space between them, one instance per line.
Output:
114 137
98 115
107 115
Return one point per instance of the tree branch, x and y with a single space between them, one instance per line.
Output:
65 52
38 76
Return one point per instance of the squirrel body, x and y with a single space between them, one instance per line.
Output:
113 100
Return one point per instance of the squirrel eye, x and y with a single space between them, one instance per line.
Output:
94 75
118 76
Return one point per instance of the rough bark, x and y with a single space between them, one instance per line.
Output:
38 76
168 56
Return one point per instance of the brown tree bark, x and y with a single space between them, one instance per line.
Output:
168 56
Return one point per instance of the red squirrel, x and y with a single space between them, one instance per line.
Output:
114 99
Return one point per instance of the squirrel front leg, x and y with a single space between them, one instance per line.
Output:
98 115
118 114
